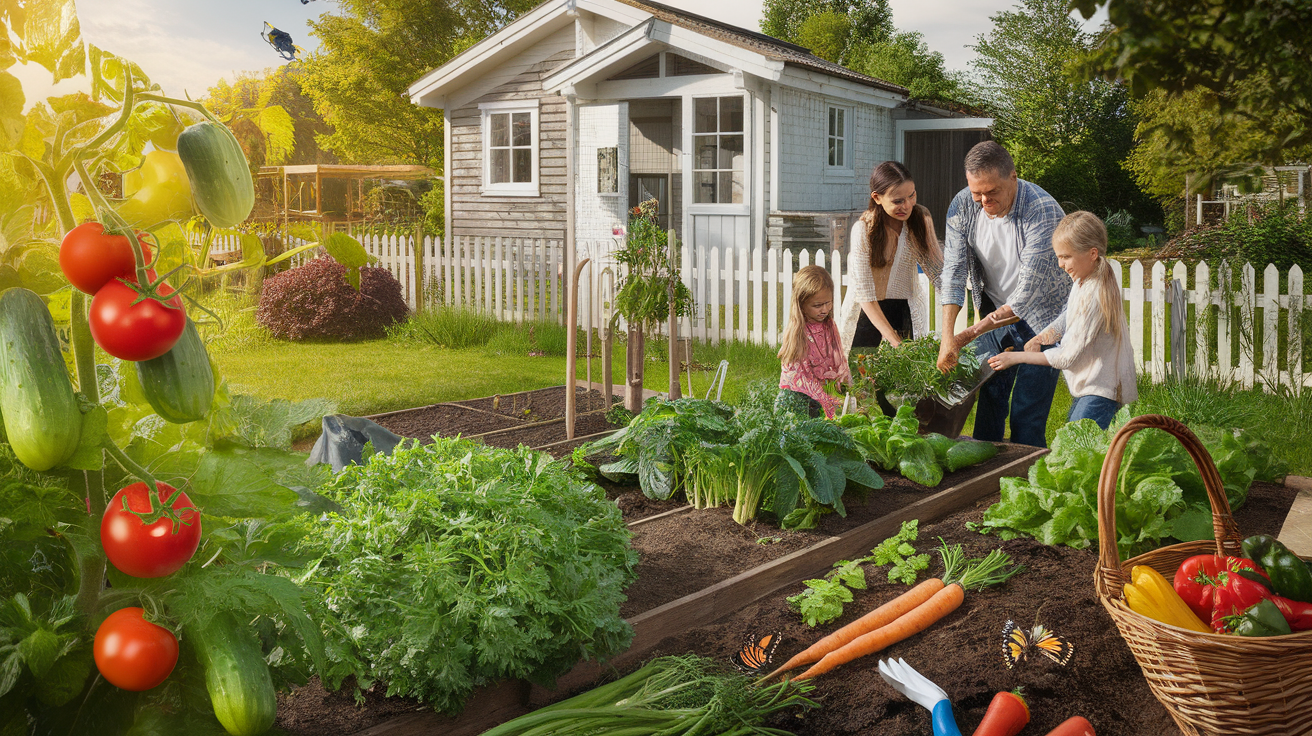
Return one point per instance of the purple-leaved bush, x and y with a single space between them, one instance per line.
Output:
314 302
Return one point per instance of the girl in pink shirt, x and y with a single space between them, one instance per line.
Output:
814 364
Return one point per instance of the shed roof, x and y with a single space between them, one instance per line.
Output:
768 46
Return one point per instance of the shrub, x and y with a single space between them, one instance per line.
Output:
315 302
1259 234
447 327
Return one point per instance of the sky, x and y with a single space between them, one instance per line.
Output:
188 45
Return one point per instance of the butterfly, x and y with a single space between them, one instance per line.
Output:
1016 643
756 653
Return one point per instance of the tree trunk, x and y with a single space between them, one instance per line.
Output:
633 369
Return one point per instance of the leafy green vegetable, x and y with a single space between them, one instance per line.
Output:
823 599
909 372
898 552
455 565
1159 491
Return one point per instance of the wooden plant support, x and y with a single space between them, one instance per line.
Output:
571 348
673 331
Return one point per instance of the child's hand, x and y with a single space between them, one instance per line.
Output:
1003 361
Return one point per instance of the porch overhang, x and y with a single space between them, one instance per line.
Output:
648 38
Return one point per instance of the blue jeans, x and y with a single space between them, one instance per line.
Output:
1098 408
1022 392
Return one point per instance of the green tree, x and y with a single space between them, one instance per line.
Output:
273 119
1067 134
867 21
368 57
906 59
1253 56
827 34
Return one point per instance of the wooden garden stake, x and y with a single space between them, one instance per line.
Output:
571 347
674 329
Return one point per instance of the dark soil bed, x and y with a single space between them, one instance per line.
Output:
540 405
549 432
479 416
687 552
962 653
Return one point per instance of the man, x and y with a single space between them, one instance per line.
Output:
999 232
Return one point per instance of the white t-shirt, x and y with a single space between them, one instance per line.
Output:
998 250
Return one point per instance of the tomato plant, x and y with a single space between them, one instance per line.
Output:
133 653
90 257
155 549
135 331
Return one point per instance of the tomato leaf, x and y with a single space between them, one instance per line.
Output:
40 649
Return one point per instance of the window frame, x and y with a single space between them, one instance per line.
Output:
531 188
746 170
846 166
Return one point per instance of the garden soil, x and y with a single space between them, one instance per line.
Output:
963 652
479 416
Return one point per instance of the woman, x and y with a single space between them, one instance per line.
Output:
894 235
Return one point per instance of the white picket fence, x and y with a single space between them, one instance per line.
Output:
1248 332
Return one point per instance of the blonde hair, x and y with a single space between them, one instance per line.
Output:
806 284
1082 232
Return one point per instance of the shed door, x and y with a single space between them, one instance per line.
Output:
937 159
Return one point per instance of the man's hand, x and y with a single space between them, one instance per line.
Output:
947 355
1002 313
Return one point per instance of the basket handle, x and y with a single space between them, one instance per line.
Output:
1109 579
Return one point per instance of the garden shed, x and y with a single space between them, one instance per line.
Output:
562 121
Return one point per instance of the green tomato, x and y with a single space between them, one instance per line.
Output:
158 191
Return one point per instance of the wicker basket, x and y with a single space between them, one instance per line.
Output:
1210 683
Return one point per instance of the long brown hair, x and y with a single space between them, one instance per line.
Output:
1082 232
806 284
886 176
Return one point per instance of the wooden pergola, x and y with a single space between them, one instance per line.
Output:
349 172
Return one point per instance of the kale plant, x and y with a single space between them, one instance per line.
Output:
455 565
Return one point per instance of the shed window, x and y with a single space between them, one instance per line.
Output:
838 136
718 150
510 150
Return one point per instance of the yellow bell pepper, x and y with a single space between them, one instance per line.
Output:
1150 594
159 191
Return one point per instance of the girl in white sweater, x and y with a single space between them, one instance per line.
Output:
1094 352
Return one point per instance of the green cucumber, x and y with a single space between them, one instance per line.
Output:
970 452
41 414
219 175
236 675
180 383
941 446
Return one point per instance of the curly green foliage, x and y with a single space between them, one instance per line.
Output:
910 370
455 565
650 277
898 552
824 598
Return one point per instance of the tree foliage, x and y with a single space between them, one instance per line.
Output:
1067 134
1252 56
368 57
867 21
271 116
905 59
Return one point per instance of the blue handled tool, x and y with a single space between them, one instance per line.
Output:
922 692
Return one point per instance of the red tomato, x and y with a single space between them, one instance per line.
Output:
89 258
132 653
138 331
149 550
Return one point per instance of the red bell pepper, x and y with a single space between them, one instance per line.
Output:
1213 587
1298 614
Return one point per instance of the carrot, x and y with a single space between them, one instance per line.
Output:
881 616
1006 716
958 576
1073 726
945 601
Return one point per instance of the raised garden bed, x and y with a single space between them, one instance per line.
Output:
963 652
542 409
731 570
